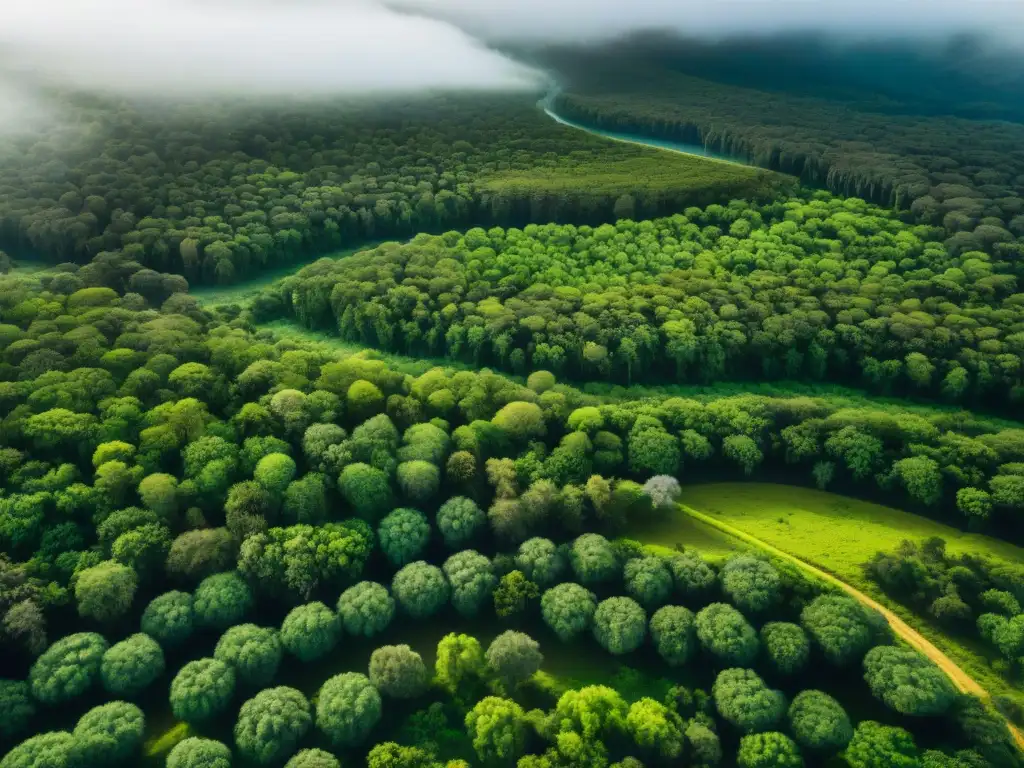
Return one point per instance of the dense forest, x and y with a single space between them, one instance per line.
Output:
816 288
258 481
217 193
455 531
966 176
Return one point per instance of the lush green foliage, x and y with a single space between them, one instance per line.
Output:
366 609
254 653
109 734
202 689
310 631
68 668
398 671
130 666
347 709
195 752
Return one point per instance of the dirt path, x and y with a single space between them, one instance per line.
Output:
907 633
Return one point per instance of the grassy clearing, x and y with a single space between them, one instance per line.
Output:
838 535
415 366
244 291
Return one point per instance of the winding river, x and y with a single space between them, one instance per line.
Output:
548 105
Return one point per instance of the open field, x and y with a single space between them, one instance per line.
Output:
834 532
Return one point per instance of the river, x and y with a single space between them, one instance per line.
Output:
548 105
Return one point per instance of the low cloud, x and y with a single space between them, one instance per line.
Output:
587 20
196 48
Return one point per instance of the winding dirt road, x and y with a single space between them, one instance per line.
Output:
908 634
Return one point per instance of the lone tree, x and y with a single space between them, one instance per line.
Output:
398 671
514 657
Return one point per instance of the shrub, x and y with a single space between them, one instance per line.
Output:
768 750
742 698
398 671
366 609
514 657
752 585
254 652
672 629
907 681
17 708
310 631
786 646
498 729
130 666
195 752
460 519
221 601
725 634
593 559
347 709
169 618
694 578
472 581
840 626
105 591
541 561
68 668
819 722
109 734
271 724
620 625
403 535
420 589
201 690
648 581
568 610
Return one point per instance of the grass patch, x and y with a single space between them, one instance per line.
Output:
836 533
415 366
